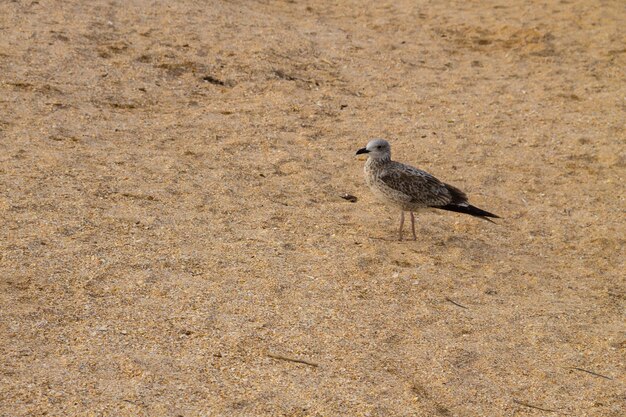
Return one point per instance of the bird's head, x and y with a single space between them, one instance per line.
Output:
378 149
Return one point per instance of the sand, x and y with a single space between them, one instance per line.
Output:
173 236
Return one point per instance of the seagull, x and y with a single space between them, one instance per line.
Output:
411 189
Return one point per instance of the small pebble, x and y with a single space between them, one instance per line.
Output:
349 197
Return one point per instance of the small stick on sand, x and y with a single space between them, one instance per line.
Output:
592 373
533 406
456 304
285 358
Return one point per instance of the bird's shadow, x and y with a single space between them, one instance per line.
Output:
466 242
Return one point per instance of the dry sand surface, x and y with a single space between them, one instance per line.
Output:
173 236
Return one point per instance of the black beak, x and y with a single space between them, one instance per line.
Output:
362 150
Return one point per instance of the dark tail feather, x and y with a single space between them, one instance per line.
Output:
469 209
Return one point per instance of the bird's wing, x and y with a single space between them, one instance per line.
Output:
420 186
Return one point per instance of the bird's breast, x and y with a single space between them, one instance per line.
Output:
382 191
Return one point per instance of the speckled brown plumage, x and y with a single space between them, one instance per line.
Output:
411 189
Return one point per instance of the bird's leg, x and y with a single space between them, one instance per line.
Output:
413 226
401 224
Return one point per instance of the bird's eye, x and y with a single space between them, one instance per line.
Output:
379 146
